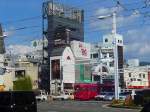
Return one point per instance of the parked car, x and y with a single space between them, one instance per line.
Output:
109 96
41 96
122 96
18 101
100 96
65 96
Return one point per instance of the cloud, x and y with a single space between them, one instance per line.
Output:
19 49
137 43
107 23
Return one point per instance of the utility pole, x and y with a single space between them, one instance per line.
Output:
116 75
115 57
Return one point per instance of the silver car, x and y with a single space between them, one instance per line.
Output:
109 96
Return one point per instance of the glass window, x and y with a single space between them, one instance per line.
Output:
106 40
129 74
143 75
139 75
95 55
111 64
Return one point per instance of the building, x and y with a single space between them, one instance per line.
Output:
133 62
137 77
22 67
102 57
64 24
62 70
61 24
81 51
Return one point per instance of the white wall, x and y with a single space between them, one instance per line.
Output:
135 79
68 64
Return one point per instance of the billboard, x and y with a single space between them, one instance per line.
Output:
81 49
55 69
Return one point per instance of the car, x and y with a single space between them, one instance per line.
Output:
100 96
18 101
122 96
64 96
109 96
41 96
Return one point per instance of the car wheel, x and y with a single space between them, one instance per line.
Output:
98 99
62 99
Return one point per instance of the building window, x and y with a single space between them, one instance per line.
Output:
91 56
95 55
139 75
143 75
106 40
111 64
111 55
129 74
104 55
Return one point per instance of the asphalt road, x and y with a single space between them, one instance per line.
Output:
79 106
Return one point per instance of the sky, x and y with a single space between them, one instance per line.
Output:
22 22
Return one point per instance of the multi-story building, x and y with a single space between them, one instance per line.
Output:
61 24
137 77
102 57
69 65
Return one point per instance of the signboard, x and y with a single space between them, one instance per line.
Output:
55 69
81 49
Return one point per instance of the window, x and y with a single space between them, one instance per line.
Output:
111 64
138 79
139 75
129 74
106 40
111 55
104 55
91 56
95 55
143 75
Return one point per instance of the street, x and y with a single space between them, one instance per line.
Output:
79 106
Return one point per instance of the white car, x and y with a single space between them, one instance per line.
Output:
100 97
65 96
42 96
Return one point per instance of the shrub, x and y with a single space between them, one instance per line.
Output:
114 101
23 83
129 101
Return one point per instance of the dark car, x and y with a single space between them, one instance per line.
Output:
18 101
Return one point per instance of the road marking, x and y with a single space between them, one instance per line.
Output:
52 111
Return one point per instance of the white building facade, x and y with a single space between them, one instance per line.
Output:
62 70
102 56
137 77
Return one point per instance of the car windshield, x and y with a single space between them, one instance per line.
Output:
127 93
103 94
110 93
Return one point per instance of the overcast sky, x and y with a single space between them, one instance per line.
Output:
133 18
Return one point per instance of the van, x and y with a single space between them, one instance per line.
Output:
18 101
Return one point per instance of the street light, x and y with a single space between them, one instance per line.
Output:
115 51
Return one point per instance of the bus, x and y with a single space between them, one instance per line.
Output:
88 91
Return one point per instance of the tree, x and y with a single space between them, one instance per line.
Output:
23 83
